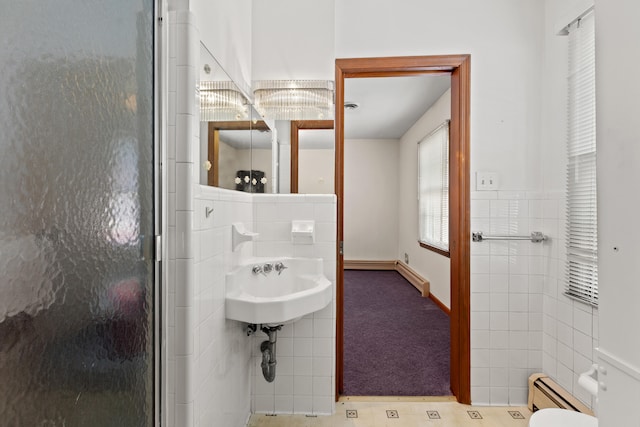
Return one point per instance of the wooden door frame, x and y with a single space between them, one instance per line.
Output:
296 125
458 67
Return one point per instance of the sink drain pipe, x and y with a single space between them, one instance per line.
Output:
268 349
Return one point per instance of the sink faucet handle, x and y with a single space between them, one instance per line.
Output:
267 268
257 269
280 267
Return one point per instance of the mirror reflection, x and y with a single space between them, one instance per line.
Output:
235 146
312 156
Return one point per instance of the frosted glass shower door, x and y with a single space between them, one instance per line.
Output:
77 213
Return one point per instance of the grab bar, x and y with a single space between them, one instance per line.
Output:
535 237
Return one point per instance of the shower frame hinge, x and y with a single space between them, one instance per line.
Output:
159 247
341 247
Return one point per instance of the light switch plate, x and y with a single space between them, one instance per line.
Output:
486 181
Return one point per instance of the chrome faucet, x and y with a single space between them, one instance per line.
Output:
267 268
280 267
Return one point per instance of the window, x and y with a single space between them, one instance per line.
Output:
581 232
433 190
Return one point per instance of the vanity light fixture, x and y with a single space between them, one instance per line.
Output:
221 101
294 99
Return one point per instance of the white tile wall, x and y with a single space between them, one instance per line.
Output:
506 299
570 328
305 375
223 368
208 358
521 322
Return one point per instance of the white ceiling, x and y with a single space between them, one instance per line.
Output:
388 107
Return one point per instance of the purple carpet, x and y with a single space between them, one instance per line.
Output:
396 343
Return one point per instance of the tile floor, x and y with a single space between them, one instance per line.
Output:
402 412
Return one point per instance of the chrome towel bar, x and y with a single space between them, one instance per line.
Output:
535 237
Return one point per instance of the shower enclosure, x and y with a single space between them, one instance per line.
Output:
77 217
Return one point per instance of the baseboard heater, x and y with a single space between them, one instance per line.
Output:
546 393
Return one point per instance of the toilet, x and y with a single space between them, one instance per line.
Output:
556 417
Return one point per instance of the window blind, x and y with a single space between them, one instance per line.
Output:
433 188
581 231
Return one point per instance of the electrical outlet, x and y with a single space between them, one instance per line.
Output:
406 258
486 181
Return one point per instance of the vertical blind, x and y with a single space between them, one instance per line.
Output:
433 188
581 231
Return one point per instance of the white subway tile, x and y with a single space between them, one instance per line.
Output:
518 340
480 302
302 347
480 283
480 320
480 376
302 404
322 386
499 396
283 385
480 396
322 366
499 377
264 404
186 90
184 138
499 321
582 320
285 363
323 405
480 339
480 358
519 359
518 396
283 404
499 264
535 360
480 264
302 385
323 347
499 208
323 328
499 339
480 209
565 355
499 302
518 321
302 366
583 343
499 283
518 302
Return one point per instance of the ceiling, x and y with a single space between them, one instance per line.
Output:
388 107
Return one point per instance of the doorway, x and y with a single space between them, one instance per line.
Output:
458 68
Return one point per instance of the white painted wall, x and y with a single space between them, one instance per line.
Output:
505 43
316 171
225 28
618 134
293 39
428 264
371 199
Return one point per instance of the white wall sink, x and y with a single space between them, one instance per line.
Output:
272 298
